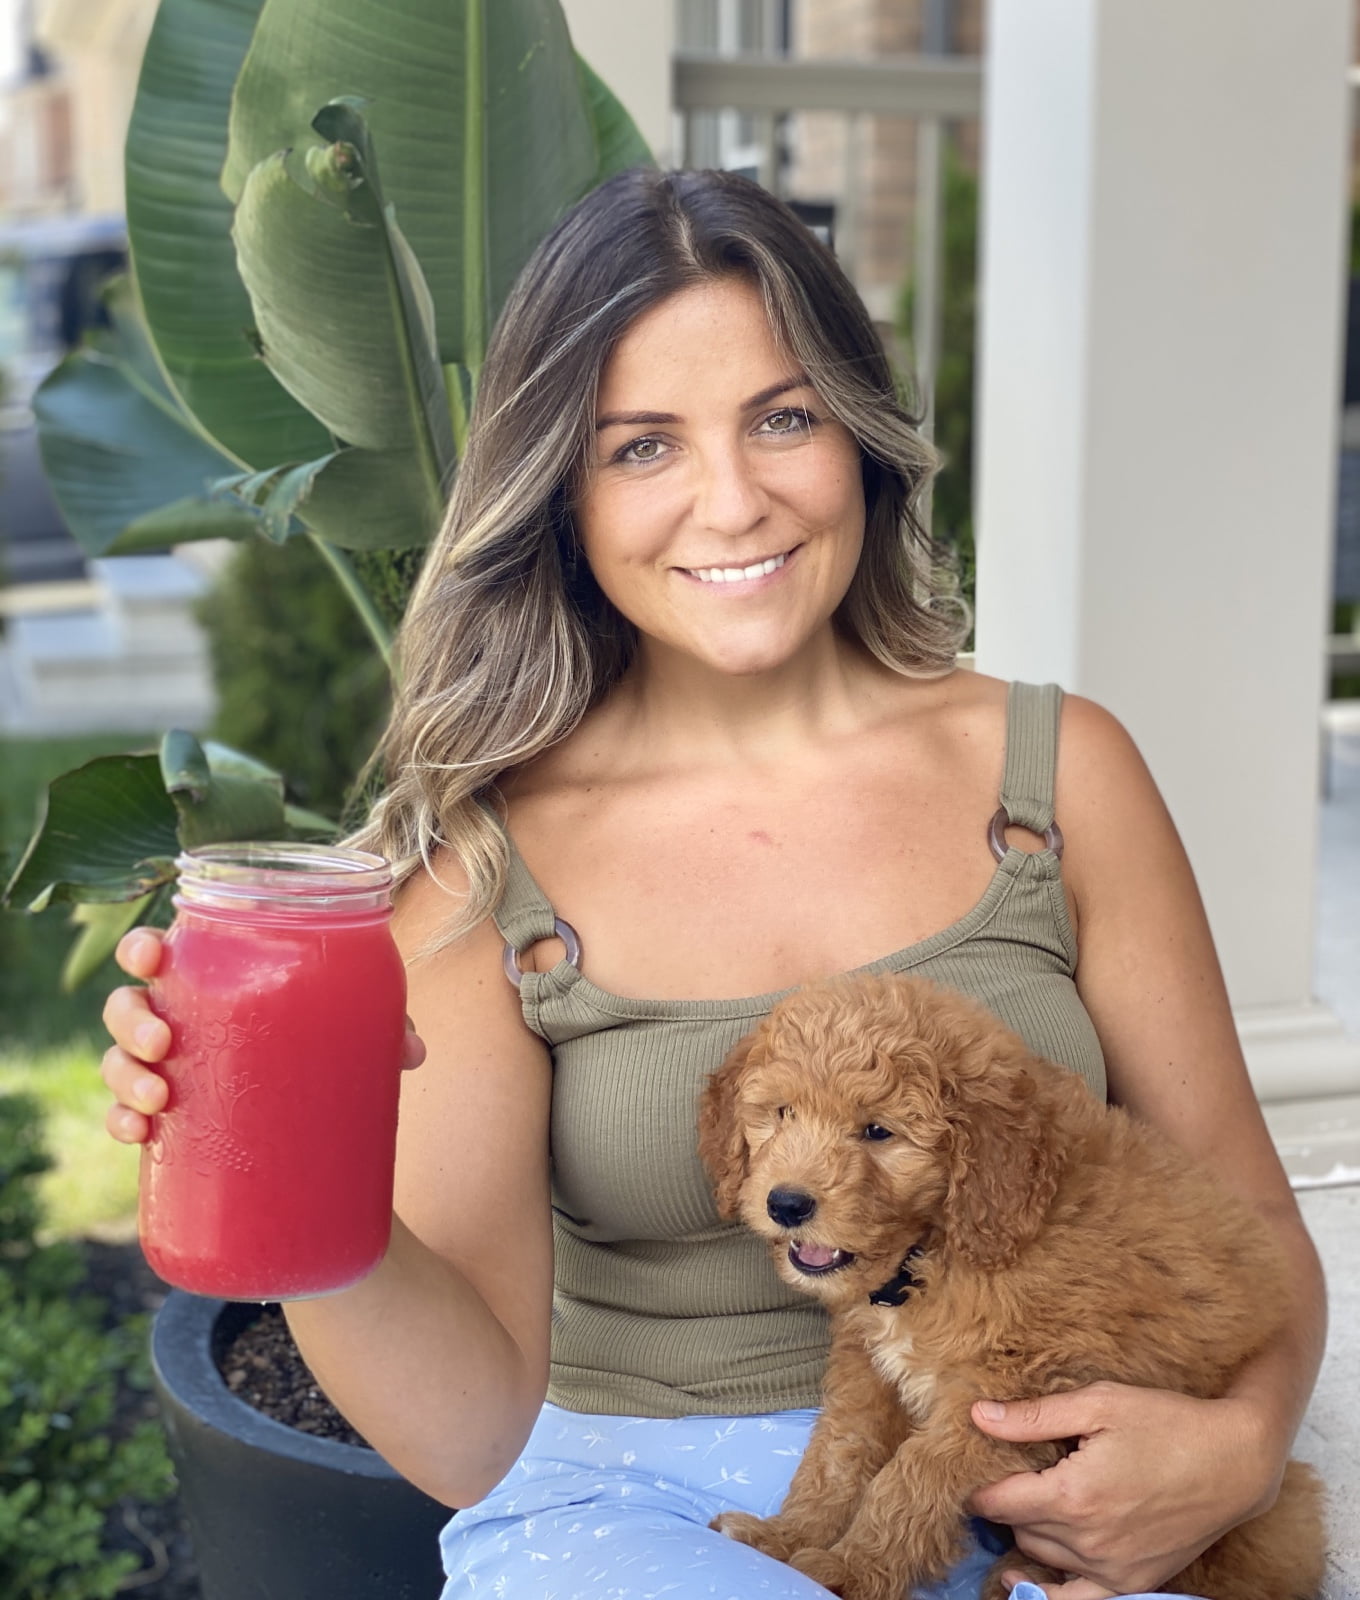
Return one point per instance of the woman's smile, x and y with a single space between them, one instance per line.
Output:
740 579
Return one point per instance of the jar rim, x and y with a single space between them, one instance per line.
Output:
284 869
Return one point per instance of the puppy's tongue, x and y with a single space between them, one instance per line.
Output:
815 1255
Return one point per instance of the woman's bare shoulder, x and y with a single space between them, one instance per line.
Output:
428 897
1121 840
426 904
970 699
959 719
1099 764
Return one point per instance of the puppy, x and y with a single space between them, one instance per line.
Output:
978 1226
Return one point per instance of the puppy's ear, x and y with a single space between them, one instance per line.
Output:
722 1137
1006 1149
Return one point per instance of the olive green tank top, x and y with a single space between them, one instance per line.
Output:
660 1309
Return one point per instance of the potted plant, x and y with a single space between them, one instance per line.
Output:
275 1510
327 201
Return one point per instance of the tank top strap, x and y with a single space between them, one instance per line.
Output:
524 914
1032 713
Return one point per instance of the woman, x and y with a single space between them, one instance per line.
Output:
680 718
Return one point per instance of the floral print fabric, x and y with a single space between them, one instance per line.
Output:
617 1508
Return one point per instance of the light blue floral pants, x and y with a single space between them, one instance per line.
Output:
617 1508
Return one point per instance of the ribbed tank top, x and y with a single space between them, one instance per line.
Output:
659 1308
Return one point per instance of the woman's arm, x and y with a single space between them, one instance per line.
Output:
1159 1476
440 1356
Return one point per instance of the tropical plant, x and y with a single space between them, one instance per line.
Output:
327 201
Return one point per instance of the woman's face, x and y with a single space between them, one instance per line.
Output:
722 510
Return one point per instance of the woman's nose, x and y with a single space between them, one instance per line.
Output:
730 497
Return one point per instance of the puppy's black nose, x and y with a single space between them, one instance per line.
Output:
789 1207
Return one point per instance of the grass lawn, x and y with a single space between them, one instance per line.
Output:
50 1042
93 1187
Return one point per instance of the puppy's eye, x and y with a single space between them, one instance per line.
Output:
875 1130
784 1113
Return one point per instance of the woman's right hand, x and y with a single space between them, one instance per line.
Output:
140 1040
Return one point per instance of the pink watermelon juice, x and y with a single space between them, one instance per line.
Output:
268 1176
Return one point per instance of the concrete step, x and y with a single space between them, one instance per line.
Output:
1318 1140
135 659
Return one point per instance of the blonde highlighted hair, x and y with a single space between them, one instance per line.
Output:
508 641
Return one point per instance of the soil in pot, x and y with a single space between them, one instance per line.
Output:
262 1366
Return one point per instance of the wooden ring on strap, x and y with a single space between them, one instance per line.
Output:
563 930
996 834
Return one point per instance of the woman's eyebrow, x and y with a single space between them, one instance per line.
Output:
634 419
799 380
656 419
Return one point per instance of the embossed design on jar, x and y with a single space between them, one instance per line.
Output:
197 1125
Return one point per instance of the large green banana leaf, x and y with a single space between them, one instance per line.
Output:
618 143
346 323
354 499
495 127
179 229
110 831
127 465
484 122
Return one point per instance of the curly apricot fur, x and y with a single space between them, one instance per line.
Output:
1061 1242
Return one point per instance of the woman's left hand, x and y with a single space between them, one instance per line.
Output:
1156 1478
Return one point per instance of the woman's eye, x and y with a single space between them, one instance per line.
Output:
640 450
789 420
875 1130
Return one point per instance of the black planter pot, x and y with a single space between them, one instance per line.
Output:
277 1514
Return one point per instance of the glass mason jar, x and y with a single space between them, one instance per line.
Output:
268 1175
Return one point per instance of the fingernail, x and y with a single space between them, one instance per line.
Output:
143 1091
149 1034
993 1410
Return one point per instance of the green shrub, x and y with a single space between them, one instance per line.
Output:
299 682
23 1160
64 1462
389 577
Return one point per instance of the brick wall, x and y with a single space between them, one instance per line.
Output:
867 165
36 174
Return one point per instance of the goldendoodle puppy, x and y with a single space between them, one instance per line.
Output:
978 1226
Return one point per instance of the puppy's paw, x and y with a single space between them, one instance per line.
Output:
824 1567
761 1533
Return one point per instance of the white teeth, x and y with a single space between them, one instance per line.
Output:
738 574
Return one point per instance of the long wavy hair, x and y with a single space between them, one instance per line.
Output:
508 641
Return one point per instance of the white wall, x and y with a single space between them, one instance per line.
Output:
1165 199
630 45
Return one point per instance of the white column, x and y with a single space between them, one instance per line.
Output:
1165 191
630 47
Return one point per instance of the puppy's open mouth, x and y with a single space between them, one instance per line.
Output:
815 1259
